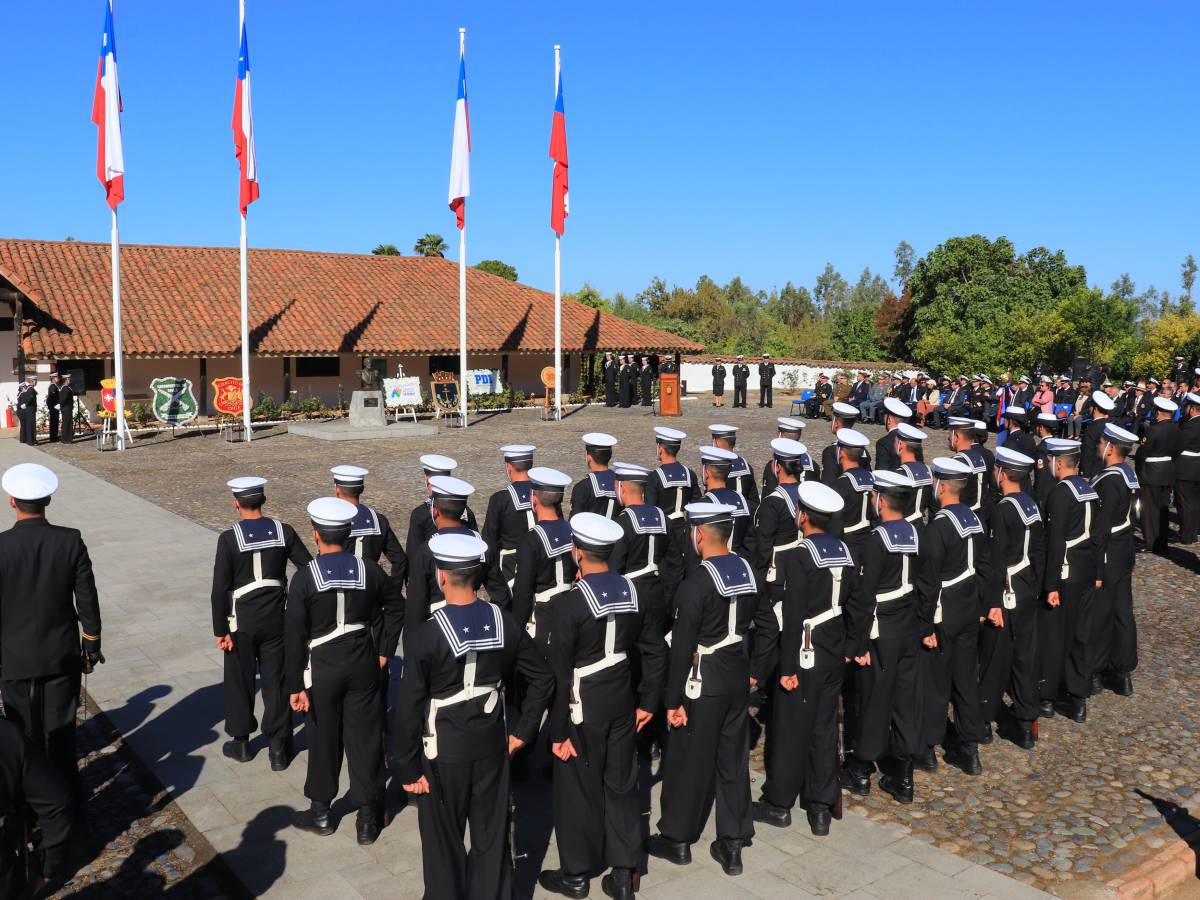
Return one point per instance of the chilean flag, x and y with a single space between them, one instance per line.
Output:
559 207
106 113
460 156
243 125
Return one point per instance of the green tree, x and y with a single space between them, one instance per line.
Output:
589 296
1187 279
430 245
655 297
795 305
831 291
387 250
904 264
496 267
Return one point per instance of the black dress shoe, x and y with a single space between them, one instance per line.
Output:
966 758
986 737
770 814
728 853
819 818
619 884
1025 735
1074 708
557 882
926 761
899 783
1094 685
367 826
663 847
280 759
1120 683
856 778
238 750
1046 709
315 819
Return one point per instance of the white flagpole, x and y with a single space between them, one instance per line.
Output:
247 395
462 287
118 365
557 282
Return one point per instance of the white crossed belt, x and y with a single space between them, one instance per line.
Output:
695 680
808 653
470 691
257 584
342 627
610 658
962 576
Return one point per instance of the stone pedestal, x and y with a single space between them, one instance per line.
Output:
367 410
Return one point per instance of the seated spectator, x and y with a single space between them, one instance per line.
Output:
869 408
818 405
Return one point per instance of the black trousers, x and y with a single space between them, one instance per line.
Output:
739 394
344 718
473 793
596 804
53 424
1063 635
1156 500
707 761
1187 504
888 712
766 394
67 434
951 675
802 745
262 654
1113 640
610 394
45 709
27 419
1008 660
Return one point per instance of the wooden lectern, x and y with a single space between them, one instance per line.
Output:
668 394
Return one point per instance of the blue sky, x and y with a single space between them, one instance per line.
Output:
753 139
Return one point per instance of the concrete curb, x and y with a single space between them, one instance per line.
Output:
1162 873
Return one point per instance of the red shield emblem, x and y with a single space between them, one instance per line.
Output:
227 395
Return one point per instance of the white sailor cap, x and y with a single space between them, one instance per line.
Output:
1025 379
543 478
1192 398
451 487
455 552
29 481
790 425
435 464
599 439
985 379
706 513
1045 379
979 424
955 422
332 511
517 452
246 486
1011 459
1153 380
947 468
593 531
786 448
630 472
726 431
909 433
1103 401
844 410
350 476
819 498
666 435
1016 412
855 440
897 407
1045 418
889 482
1061 446
1195 371
717 456
1166 405
1115 434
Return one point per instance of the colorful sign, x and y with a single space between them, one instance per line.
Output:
173 401
445 391
548 377
483 381
227 395
108 395
398 392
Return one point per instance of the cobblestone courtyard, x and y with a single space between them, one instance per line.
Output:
1090 803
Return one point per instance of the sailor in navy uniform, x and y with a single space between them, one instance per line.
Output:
1017 436
509 516
598 491
421 526
545 566
601 701
1103 407
715 467
844 416
336 606
1114 631
371 535
909 442
820 582
249 590
741 476
450 496
883 638
453 740
27 401
793 430
955 568
1043 480
854 486
67 392
673 485
1008 657
775 529
709 676
644 543
609 370
978 490
1065 626
626 374
894 412
1156 472
1187 470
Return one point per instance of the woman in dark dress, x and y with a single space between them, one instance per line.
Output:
718 376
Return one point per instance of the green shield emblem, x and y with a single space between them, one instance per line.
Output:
174 401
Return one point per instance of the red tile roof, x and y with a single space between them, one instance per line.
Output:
184 301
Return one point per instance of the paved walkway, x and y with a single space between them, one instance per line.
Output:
161 688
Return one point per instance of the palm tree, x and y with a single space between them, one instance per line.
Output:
430 245
387 250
